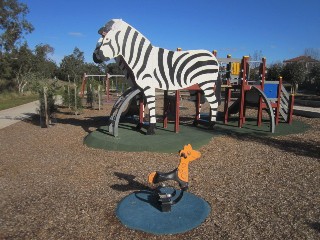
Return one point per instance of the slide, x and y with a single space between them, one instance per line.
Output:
252 96
119 107
235 107
270 109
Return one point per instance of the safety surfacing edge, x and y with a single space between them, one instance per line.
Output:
167 140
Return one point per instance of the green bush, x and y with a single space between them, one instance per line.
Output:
7 85
70 100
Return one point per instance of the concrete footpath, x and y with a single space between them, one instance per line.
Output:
311 112
13 115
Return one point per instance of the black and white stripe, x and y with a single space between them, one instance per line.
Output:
153 68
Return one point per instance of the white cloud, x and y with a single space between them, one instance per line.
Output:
76 34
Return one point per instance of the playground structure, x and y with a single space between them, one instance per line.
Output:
85 78
196 70
169 104
229 70
266 95
112 83
157 68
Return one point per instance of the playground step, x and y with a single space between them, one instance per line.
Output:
284 103
283 114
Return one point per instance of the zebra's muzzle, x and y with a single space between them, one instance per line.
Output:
96 58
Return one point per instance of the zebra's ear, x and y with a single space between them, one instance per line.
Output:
101 30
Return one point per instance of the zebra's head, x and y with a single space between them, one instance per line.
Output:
106 47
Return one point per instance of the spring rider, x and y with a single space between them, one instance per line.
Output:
180 175
164 209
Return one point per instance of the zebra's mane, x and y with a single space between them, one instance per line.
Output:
120 25
112 24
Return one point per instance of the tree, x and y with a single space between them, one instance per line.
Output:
294 73
274 71
256 56
313 53
72 65
43 64
91 68
22 66
6 61
314 76
13 23
29 66
254 63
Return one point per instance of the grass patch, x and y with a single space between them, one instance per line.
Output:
13 99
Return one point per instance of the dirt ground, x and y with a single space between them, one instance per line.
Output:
54 187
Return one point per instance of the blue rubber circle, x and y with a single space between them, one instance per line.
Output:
140 211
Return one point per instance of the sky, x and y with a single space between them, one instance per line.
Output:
279 29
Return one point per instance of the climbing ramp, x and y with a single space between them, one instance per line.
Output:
284 103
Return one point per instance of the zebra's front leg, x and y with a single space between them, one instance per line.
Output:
213 117
212 100
151 103
213 112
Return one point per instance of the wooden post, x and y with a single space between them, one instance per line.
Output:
198 102
84 79
141 110
165 109
291 103
108 87
75 99
69 97
227 94
242 91
99 96
177 121
46 106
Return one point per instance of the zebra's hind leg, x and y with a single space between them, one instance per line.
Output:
208 88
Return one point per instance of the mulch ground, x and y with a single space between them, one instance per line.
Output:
54 187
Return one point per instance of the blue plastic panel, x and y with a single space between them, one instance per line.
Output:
271 90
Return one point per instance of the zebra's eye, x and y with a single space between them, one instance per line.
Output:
107 41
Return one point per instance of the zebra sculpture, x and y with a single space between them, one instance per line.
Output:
157 68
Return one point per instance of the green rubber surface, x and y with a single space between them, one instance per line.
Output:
166 140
